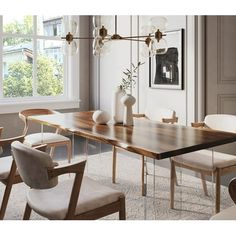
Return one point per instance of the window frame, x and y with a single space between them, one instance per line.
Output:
70 96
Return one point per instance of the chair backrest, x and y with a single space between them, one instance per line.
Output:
31 112
221 122
33 166
157 114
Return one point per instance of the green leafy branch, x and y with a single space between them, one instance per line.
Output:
129 80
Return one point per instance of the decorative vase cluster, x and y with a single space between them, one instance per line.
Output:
122 102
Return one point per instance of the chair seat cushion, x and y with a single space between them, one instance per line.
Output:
227 214
203 160
53 203
5 167
40 138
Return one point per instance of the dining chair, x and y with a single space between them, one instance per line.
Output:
51 139
73 198
207 162
8 174
229 213
164 115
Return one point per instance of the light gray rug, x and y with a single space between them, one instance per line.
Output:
190 202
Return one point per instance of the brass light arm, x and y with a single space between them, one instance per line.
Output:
69 37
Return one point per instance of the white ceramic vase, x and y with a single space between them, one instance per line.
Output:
117 109
128 101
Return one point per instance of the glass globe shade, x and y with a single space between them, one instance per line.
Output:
159 22
158 47
99 21
147 29
101 47
70 49
145 51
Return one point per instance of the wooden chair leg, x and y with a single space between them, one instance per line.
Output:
176 181
172 183
217 198
7 191
122 212
5 200
144 190
51 153
204 186
114 164
27 212
69 152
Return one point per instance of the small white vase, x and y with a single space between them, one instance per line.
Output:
128 101
117 109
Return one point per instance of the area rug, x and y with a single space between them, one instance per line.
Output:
190 201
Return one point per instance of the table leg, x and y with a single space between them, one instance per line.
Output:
154 189
144 176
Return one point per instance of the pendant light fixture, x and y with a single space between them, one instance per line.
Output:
152 36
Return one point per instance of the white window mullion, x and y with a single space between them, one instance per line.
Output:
34 56
1 57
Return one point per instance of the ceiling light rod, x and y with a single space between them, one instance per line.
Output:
70 37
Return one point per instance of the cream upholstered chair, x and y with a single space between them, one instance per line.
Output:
51 139
203 162
75 198
229 213
8 175
164 115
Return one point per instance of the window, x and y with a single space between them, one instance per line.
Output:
33 66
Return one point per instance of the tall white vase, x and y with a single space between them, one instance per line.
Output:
128 101
117 109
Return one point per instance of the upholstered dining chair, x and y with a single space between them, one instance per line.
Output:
203 162
164 115
229 213
8 174
73 198
51 139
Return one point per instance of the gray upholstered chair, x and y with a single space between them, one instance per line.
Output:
8 174
229 213
75 198
51 139
203 162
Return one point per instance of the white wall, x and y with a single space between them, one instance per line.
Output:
111 67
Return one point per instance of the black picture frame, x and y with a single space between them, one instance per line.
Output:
166 70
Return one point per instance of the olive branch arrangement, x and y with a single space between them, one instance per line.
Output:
129 80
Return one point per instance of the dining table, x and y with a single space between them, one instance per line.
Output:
151 139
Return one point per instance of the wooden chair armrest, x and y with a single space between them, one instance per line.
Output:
232 189
170 120
41 147
77 168
8 141
138 115
198 124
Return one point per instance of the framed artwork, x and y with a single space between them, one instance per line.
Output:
166 70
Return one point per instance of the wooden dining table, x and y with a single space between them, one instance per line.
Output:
151 139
